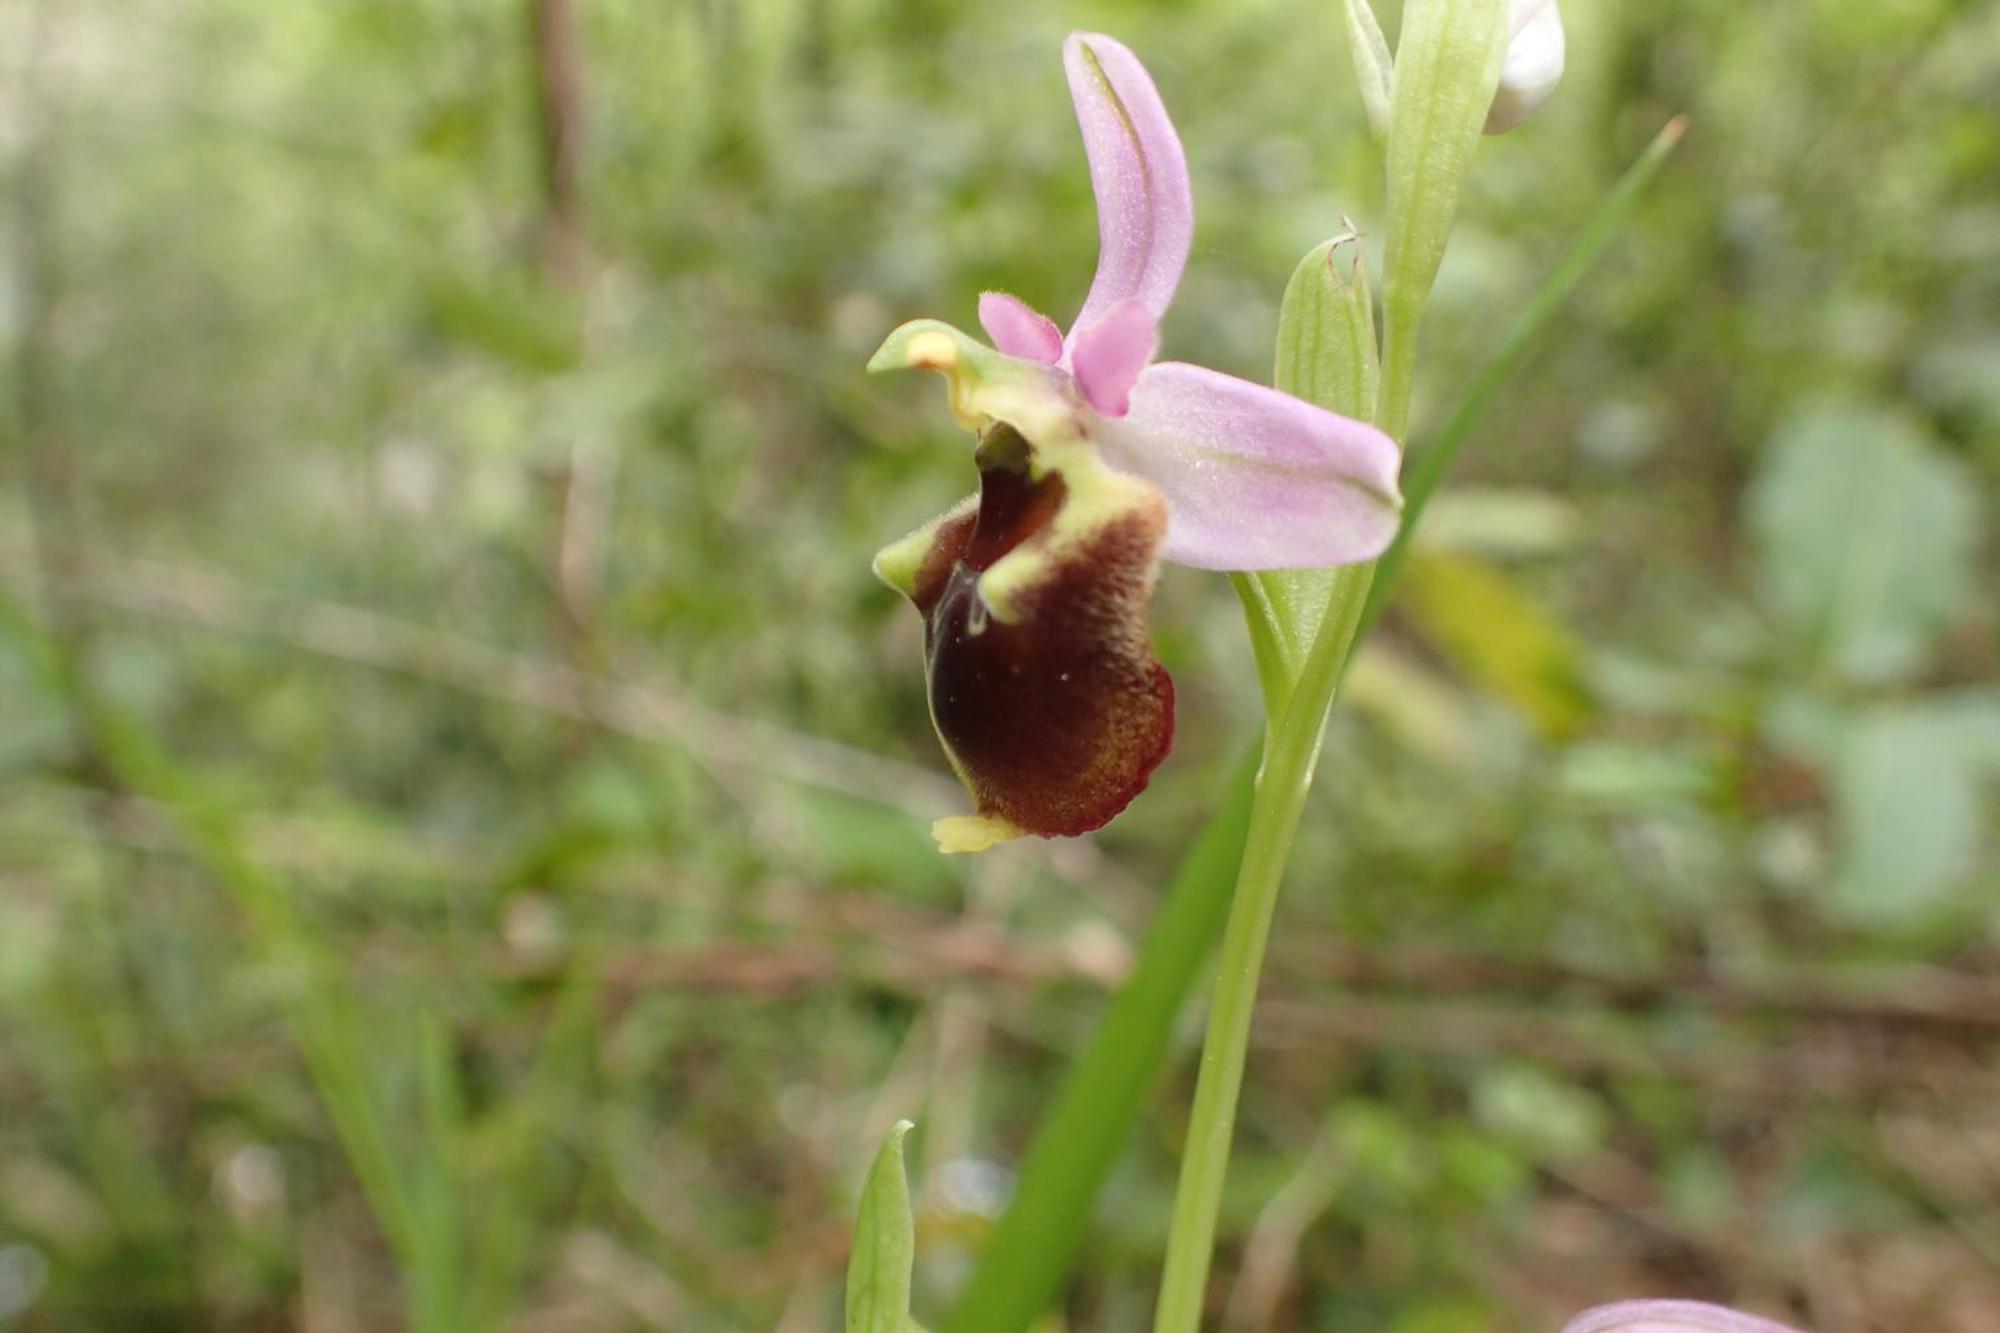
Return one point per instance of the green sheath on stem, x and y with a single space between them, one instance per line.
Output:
1447 66
1374 71
1326 355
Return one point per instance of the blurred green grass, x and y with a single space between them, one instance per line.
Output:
504 615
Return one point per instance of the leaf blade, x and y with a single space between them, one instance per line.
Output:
885 1245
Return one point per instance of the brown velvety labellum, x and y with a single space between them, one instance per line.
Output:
1057 716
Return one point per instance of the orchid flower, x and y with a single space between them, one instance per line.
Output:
1096 463
1669 1317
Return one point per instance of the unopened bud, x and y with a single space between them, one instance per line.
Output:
1532 66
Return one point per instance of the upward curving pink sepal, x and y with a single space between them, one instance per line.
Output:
1254 478
1145 209
1018 329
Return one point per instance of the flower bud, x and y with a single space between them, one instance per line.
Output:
1532 66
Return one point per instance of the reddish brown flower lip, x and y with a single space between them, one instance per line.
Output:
1056 712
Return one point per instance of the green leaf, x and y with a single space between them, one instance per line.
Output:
1374 71
1326 355
865 842
1623 776
1550 1119
1326 330
885 1245
1906 806
1868 536
1447 65
1502 522
519 323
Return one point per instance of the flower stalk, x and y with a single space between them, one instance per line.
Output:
1448 63
1303 624
1290 757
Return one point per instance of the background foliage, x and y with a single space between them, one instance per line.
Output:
462 798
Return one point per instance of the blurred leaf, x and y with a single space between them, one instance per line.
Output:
1972 719
1906 802
868 843
1830 1193
1485 1169
516 322
1637 777
1501 637
1442 1314
1867 536
1547 1118
1960 372
885 1245
1499 522
1424 712
33 726
1699 1188
1389 1155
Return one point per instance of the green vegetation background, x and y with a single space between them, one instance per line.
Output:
463 798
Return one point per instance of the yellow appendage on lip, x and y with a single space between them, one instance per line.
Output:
973 833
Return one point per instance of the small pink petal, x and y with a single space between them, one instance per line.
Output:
1145 209
1110 354
1670 1317
1254 478
1018 329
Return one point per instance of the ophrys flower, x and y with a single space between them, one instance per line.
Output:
1095 463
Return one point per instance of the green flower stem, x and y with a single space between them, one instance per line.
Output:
1289 759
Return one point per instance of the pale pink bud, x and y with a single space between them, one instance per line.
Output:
1532 66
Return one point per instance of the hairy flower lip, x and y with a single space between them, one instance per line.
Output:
1041 678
